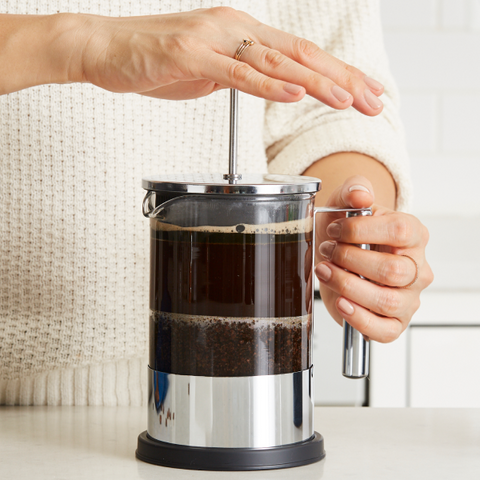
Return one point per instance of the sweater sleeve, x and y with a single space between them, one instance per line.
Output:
297 135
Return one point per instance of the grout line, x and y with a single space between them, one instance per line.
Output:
438 123
466 29
438 90
469 13
445 325
408 369
441 90
438 14
444 155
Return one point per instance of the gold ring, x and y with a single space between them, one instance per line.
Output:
416 272
242 47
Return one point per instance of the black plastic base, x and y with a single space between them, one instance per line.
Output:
227 459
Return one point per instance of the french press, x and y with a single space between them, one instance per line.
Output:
230 358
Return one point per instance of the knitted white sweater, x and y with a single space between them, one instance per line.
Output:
74 245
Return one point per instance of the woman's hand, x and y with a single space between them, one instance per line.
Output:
380 308
189 55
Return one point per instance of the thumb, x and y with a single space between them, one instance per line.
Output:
356 192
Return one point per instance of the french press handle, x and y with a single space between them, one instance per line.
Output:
356 349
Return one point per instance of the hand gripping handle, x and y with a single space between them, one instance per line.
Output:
356 349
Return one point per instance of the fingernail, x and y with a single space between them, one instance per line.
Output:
323 272
372 83
372 99
340 94
326 249
333 230
353 188
292 89
345 306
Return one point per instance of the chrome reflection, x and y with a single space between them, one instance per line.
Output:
257 411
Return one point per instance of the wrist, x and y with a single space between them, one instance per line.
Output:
39 49
68 38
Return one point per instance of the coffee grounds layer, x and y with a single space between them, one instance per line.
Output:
229 347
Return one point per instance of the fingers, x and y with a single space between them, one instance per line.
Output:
382 300
380 329
356 192
281 56
276 65
393 229
240 75
364 90
385 268
379 312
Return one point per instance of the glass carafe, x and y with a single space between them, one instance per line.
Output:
230 285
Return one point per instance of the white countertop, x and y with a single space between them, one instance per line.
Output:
362 443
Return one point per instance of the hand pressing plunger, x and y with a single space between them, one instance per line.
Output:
179 56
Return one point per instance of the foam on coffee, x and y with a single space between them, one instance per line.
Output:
304 225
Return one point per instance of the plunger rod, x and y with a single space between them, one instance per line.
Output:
232 153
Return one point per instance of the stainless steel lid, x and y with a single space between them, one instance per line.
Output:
268 184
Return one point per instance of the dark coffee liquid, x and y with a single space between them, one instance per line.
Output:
230 304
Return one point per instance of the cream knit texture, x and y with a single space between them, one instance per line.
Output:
74 246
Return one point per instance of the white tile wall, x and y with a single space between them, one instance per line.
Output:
454 13
434 52
434 60
460 123
330 387
438 379
474 17
454 255
421 111
409 13
446 186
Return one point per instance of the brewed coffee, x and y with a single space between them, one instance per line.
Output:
230 301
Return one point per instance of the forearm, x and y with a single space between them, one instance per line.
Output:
36 49
334 169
